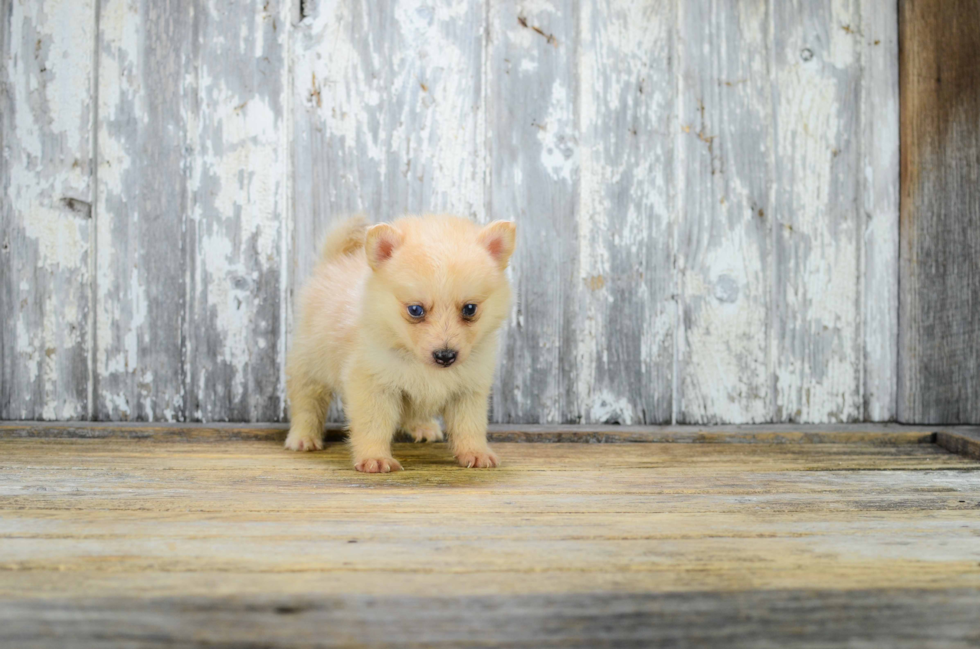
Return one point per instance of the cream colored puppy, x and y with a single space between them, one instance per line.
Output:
400 320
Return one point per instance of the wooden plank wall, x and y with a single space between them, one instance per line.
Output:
939 351
192 194
706 194
46 117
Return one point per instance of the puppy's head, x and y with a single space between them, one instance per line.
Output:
437 287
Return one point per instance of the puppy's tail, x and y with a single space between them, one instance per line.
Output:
345 239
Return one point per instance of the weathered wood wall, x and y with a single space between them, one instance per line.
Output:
940 226
706 192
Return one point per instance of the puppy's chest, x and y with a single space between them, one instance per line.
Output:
429 396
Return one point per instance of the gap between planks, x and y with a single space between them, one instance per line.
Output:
958 439
962 440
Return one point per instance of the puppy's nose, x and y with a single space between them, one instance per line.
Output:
445 357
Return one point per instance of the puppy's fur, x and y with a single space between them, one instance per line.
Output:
358 338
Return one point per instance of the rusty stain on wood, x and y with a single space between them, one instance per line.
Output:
548 37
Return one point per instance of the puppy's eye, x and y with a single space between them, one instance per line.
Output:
469 310
416 310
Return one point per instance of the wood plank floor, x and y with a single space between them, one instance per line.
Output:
134 542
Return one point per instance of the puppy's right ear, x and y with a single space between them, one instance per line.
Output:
380 243
499 238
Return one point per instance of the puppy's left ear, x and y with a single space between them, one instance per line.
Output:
499 238
381 242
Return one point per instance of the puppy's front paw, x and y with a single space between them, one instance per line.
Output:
303 439
378 465
481 459
427 432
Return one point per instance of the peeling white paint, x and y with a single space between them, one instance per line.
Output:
238 197
880 149
557 135
818 362
593 225
612 409
332 82
229 301
723 372
61 238
27 348
603 131
45 111
116 355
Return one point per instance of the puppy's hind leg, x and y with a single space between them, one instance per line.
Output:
308 406
420 426
427 430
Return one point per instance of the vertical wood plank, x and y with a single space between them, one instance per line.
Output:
939 336
192 188
622 294
879 216
817 334
724 240
534 175
144 52
236 135
45 207
388 115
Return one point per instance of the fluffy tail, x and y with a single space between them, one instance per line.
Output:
346 238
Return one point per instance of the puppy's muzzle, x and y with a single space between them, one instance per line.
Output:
444 357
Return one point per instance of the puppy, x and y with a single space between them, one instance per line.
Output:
400 320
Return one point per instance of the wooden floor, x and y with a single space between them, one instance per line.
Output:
224 542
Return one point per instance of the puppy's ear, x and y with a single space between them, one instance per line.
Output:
499 238
380 243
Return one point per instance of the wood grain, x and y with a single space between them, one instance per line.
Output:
534 153
192 196
46 116
879 212
621 295
817 241
236 211
148 538
388 114
797 618
145 67
939 367
724 246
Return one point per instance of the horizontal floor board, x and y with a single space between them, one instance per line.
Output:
964 440
137 537
799 618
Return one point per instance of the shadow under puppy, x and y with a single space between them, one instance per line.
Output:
400 319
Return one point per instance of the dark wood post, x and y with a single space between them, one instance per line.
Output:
939 304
